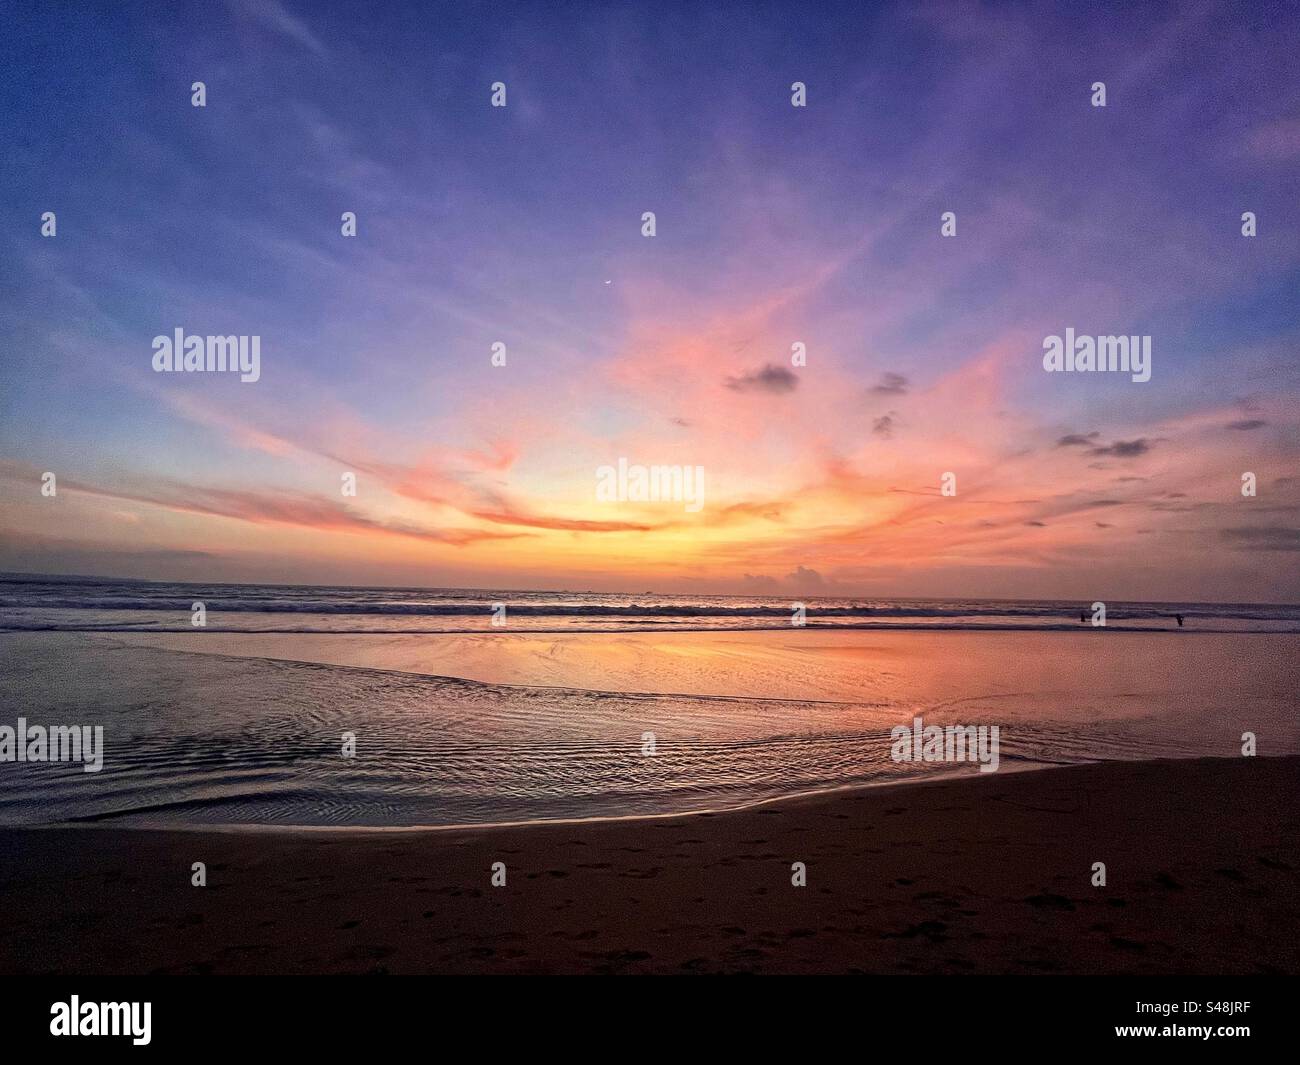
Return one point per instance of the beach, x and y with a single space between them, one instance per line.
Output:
977 875
670 795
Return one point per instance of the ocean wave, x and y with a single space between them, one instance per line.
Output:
1131 612
574 630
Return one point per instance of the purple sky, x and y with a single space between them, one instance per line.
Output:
775 225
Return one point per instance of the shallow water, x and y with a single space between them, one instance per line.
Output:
214 738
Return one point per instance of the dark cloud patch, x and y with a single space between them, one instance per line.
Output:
1103 525
1120 449
1247 425
1037 524
891 384
806 578
884 425
803 579
1263 538
1173 503
1124 449
774 380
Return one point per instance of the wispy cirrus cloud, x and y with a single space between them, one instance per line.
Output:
258 507
277 17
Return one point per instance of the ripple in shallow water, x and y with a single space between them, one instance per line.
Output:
205 739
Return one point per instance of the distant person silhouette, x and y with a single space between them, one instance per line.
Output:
1083 617
1179 617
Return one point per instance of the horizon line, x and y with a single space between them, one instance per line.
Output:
6 574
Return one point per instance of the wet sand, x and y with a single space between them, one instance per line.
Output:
989 874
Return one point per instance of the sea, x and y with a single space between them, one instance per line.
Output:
337 708
87 604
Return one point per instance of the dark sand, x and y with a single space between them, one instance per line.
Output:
988 874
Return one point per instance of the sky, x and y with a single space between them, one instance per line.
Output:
775 225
